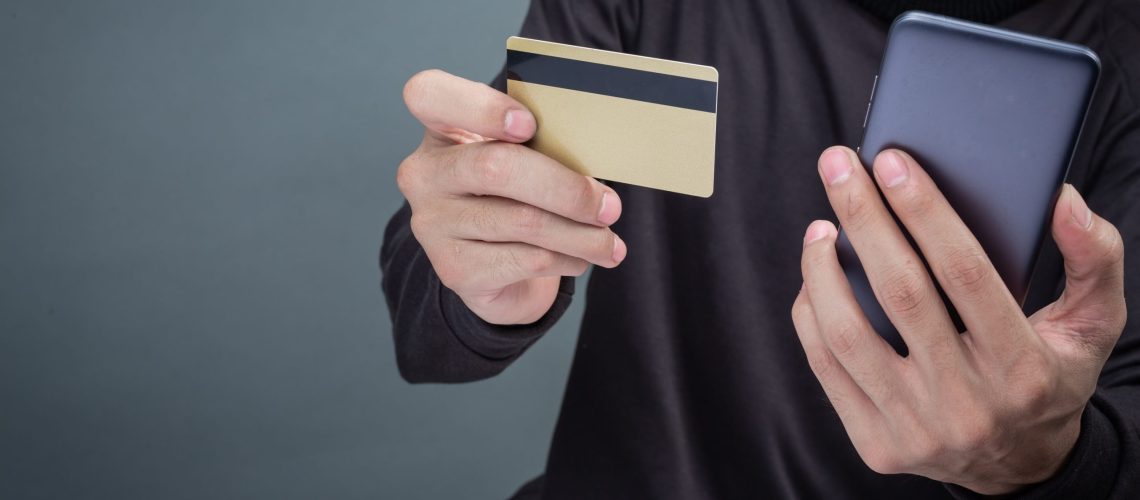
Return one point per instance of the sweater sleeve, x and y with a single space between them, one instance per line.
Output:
1105 462
438 338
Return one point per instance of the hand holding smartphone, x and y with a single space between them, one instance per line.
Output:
994 117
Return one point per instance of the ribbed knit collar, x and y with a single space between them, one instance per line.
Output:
988 12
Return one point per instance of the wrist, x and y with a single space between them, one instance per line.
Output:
1033 462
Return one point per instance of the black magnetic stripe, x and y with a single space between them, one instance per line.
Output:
646 86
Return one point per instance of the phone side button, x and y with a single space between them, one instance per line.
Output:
870 99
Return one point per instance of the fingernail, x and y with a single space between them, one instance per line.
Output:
619 250
892 170
610 210
836 166
519 124
816 231
1082 215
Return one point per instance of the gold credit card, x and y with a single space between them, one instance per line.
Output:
620 117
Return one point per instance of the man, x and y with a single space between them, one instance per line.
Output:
700 372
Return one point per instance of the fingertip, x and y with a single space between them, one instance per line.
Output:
888 152
620 250
1092 246
417 90
414 87
1073 225
836 149
836 164
519 125
610 211
1080 214
891 168
819 230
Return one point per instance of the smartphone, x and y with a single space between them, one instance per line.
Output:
993 116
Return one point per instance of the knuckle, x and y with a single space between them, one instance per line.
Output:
407 176
492 166
905 293
539 262
1116 252
822 363
802 315
967 270
915 203
1035 390
452 264
450 274
517 263
1032 376
1038 395
845 338
419 224
1114 248
800 308
857 209
528 220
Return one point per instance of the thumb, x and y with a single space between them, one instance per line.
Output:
453 108
1094 262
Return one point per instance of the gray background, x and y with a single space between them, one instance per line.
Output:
192 196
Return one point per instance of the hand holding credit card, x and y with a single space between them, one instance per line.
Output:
621 117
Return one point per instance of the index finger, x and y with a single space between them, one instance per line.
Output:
453 108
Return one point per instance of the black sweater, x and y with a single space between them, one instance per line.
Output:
688 381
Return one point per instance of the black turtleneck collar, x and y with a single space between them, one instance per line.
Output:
988 12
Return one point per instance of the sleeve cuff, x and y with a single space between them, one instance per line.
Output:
499 342
1089 472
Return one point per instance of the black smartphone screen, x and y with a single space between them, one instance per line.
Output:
994 117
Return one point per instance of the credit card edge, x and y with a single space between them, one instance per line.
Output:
715 76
